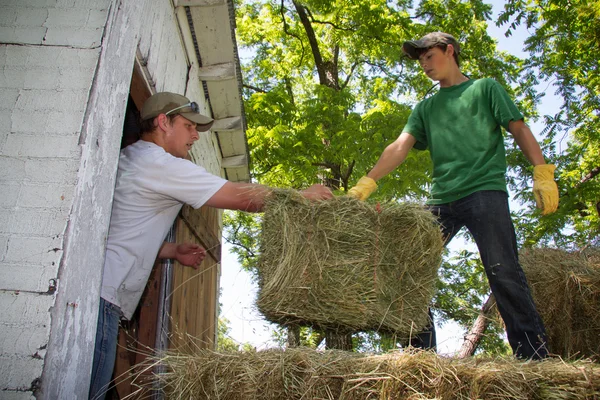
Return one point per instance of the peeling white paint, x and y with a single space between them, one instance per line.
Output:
74 76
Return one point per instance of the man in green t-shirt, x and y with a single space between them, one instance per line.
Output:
461 125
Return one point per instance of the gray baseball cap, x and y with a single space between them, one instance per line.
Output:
411 48
173 103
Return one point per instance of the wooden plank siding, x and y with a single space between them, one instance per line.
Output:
195 292
137 337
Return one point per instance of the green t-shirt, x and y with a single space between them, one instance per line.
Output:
461 127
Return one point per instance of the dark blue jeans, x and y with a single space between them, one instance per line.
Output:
105 351
486 215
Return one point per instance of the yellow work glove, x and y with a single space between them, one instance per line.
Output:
363 188
545 190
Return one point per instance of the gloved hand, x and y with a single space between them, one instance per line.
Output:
545 190
363 188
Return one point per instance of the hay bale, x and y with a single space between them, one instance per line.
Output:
302 373
347 265
566 289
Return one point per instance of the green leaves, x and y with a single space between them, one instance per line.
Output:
326 89
563 48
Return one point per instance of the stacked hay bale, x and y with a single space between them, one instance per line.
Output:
566 289
300 373
346 265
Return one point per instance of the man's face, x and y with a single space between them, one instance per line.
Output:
435 62
180 135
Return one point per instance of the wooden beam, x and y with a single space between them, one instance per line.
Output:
234 161
217 72
200 3
186 36
227 124
201 228
141 83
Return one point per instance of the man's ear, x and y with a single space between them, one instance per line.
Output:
162 122
450 50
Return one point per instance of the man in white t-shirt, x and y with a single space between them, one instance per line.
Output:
154 180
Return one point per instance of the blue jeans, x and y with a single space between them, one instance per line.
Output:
105 351
486 215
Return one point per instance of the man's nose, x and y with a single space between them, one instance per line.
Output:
195 135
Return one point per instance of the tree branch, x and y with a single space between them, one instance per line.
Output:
256 89
590 175
475 334
350 169
316 21
285 29
238 243
347 80
347 174
385 71
312 40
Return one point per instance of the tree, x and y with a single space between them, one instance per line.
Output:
224 342
563 54
327 89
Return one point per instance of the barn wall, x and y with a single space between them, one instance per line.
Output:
49 52
66 71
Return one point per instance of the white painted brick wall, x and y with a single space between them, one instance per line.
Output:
51 171
74 23
44 90
21 372
32 145
19 252
67 18
29 35
38 222
55 23
26 342
24 309
28 278
9 197
18 396
24 338
8 99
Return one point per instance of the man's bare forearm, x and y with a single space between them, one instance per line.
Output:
527 142
392 156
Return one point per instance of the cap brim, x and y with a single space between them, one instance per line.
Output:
410 48
203 123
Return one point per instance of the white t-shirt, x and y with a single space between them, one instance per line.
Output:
152 186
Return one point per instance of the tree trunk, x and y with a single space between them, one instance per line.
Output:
337 340
312 40
293 335
476 332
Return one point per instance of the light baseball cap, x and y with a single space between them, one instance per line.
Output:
411 48
173 103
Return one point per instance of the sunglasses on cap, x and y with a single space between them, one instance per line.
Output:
193 105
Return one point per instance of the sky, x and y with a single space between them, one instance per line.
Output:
238 291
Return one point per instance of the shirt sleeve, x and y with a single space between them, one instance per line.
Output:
502 106
187 182
416 128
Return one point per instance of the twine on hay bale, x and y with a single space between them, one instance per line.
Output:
347 265
302 373
566 290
